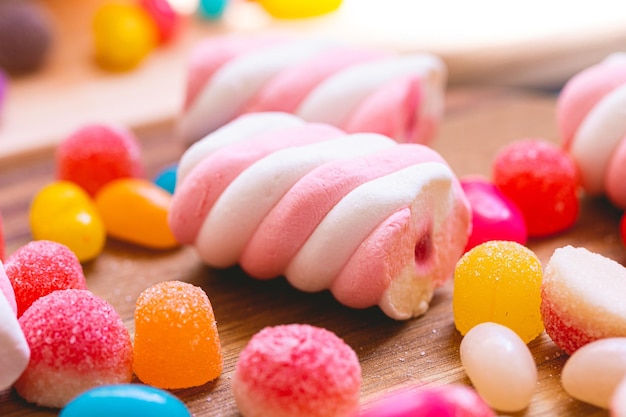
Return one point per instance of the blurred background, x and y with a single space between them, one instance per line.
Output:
535 44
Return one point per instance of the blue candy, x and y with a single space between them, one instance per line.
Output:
166 179
125 400
212 9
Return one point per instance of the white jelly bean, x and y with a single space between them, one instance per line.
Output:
593 372
500 366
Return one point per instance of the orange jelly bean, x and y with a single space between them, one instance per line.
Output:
176 340
135 210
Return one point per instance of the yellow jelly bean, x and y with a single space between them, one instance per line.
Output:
289 9
135 210
123 36
499 281
63 212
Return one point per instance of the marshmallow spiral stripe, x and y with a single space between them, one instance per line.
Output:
591 114
373 221
357 90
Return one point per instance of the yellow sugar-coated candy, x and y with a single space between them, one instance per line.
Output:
176 340
289 9
123 35
64 213
499 281
135 210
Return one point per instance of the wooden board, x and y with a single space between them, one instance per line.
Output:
392 354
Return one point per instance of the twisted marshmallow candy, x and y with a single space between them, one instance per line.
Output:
374 221
591 113
354 89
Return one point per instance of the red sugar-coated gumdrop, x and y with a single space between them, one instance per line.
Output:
542 180
164 16
97 154
41 267
77 342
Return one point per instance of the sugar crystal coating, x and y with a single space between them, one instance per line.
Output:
499 281
96 154
77 342
176 340
582 298
41 267
542 180
297 370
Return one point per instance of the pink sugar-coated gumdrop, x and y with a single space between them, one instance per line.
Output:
7 289
97 154
454 400
77 342
494 215
2 249
542 180
582 298
41 267
297 370
166 19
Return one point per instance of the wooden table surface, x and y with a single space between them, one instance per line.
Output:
392 354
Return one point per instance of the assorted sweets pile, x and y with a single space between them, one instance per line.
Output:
407 229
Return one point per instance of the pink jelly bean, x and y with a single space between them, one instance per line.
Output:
41 267
97 154
494 215
452 400
77 342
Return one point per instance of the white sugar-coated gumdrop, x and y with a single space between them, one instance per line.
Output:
500 366
14 350
593 372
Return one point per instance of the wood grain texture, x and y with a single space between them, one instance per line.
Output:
392 354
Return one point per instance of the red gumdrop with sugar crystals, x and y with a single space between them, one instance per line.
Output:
542 180
97 154
41 267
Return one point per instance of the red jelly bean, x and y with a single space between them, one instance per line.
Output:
494 215
164 16
97 154
41 267
622 228
542 181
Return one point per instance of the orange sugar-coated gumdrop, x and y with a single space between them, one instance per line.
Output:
499 281
176 339
135 210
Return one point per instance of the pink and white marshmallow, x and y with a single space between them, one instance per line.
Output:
590 115
14 350
373 221
357 90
